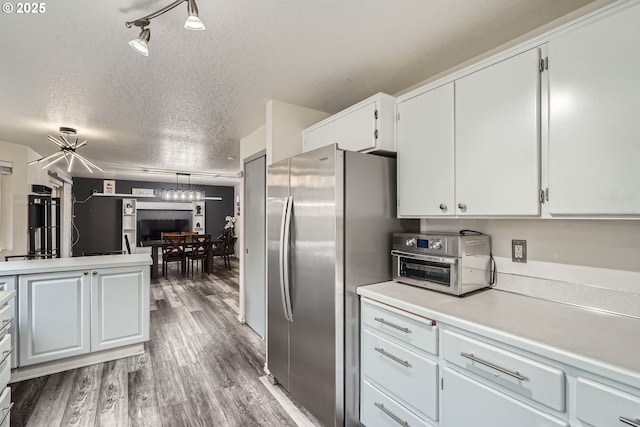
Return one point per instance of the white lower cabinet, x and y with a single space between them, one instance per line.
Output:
5 407
399 368
119 308
601 405
8 318
467 402
72 313
380 410
54 317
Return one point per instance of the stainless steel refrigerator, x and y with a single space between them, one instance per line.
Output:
330 216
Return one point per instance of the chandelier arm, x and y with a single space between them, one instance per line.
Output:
55 141
80 145
83 162
66 141
43 159
144 21
89 162
73 156
60 156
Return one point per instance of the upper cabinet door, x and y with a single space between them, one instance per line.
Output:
318 137
498 138
356 131
594 128
426 154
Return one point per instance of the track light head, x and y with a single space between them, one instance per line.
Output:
193 21
140 44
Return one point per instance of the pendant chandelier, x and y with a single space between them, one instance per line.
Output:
181 195
67 151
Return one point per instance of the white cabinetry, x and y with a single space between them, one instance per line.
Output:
399 367
600 405
9 283
7 349
497 125
593 118
54 316
471 147
76 312
426 158
129 224
119 308
367 126
197 220
469 403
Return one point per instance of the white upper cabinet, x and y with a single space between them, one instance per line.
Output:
366 126
594 129
497 139
426 154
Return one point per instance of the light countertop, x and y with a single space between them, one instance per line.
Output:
603 343
75 263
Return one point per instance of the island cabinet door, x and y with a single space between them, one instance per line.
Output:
54 318
119 307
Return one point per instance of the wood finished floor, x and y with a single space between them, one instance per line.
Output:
200 368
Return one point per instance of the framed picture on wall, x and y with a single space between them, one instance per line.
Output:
109 186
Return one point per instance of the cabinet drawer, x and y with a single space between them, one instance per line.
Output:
417 331
5 361
6 318
601 405
522 375
5 407
379 410
401 373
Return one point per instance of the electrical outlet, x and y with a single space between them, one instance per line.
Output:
519 250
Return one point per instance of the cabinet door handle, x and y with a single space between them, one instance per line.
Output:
514 374
391 415
6 353
5 324
85 273
462 206
443 207
384 322
6 412
392 357
629 421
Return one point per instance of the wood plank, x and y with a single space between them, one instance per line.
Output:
54 398
83 401
113 408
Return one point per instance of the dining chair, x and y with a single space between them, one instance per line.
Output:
226 249
173 250
200 246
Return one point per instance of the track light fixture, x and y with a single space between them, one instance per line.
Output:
193 22
67 151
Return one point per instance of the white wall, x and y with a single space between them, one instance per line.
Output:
613 244
285 123
253 143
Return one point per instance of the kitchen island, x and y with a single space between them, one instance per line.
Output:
74 312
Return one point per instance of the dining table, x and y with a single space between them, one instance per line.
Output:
155 246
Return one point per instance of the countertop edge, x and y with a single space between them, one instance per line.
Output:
10 268
562 355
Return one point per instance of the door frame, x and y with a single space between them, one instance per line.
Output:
242 235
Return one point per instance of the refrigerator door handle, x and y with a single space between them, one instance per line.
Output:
287 247
283 254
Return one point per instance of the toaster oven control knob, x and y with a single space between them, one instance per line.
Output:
410 242
436 244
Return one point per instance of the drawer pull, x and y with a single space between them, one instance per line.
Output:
6 354
629 421
6 323
6 412
393 416
514 374
392 357
384 322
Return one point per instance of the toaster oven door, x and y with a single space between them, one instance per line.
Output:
425 270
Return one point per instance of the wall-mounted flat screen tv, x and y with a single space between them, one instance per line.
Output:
151 229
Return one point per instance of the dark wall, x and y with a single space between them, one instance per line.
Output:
99 220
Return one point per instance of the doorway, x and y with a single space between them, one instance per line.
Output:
254 242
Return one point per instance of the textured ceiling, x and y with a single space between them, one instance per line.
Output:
186 106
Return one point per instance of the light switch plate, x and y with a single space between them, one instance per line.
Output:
519 251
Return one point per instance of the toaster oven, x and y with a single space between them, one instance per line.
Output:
447 262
